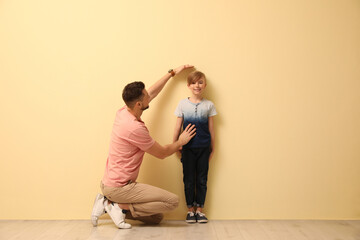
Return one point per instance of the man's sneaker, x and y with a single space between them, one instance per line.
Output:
116 214
98 209
190 217
201 217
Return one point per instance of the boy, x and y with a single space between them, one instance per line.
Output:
198 152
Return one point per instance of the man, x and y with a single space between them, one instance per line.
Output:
130 139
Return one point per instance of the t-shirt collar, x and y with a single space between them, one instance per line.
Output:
188 99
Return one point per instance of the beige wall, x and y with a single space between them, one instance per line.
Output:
284 76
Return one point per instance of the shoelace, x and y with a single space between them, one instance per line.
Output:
201 214
191 214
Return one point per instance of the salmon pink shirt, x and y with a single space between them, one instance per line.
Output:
129 140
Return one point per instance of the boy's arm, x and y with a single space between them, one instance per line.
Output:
179 122
156 88
212 134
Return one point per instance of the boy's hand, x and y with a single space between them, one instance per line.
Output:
182 67
187 134
211 155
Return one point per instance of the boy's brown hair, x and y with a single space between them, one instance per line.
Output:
195 76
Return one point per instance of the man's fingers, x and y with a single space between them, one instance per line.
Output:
189 127
192 128
191 132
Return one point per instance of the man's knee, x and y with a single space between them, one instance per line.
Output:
174 201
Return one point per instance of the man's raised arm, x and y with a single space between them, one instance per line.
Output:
156 88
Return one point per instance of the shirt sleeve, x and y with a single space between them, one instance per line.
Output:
178 111
141 138
212 110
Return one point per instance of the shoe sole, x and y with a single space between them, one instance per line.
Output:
94 221
190 221
202 221
94 218
98 196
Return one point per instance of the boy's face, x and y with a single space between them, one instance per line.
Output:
197 87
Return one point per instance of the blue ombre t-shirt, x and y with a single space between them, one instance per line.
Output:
198 114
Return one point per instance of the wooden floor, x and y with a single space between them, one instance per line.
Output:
239 229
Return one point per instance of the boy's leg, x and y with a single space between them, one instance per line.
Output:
143 199
189 166
202 168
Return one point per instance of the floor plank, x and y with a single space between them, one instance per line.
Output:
251 230
178 230
228 230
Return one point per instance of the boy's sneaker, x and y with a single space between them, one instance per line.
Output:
190 217
98 209
116 215
201 217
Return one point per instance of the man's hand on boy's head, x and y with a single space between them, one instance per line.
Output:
182 67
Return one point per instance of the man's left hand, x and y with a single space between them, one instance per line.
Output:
182 67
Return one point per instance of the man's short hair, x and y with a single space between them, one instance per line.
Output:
132 93
195 76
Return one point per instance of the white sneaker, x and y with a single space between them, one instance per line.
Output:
98 209
116 215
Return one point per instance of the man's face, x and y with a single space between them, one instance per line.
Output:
146 100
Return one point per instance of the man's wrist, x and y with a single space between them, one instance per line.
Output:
172 72
180 143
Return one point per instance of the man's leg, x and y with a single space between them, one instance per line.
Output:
143 199
152 219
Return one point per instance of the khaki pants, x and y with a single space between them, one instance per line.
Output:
146 202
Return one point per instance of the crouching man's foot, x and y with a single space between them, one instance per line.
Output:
98 209
116 214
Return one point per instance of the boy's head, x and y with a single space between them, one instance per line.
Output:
135 94
195 76
196 82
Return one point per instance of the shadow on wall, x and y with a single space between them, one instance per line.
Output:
157 118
